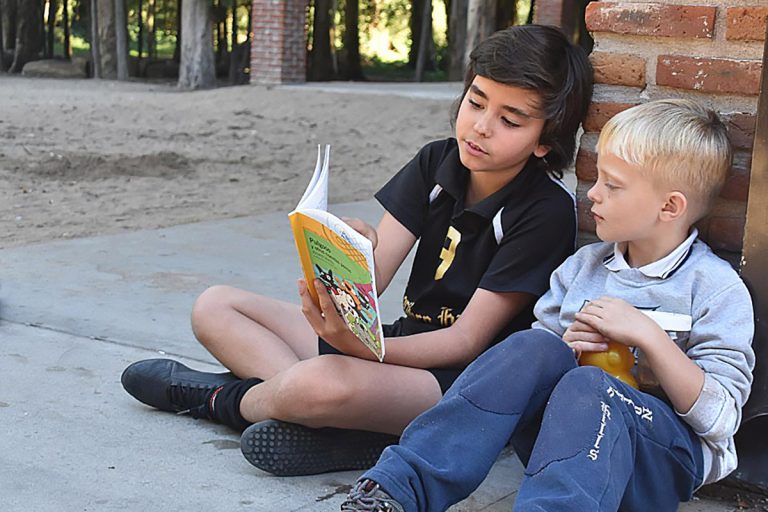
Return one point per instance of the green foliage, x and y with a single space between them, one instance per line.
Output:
385 34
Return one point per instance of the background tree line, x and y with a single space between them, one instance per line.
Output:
346 39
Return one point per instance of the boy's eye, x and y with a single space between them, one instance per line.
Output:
610 186
473 103
509 123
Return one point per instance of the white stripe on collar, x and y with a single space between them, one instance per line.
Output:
660 268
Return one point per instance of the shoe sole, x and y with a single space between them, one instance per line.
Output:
288 449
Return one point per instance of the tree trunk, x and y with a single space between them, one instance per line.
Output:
65 22
233 33
151 39
2 39
481 22
107 38
29 36
354 70
8 20
424 46
417 13
140 35
121 39
49 37
457 39
95 45
196 70
320 58
506 13
177 46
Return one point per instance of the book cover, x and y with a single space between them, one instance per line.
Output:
340 257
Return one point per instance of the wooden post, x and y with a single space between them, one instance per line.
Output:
750 441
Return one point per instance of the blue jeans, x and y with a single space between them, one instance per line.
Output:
589 441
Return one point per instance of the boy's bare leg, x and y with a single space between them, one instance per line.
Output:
252 335
344 392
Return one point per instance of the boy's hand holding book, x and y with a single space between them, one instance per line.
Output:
364 229
328 324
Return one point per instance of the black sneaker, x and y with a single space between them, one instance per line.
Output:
288 449
367 496
169 385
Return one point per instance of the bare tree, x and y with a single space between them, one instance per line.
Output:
29 35
425 34
121 39
196 70
320 58
481 22
65 23
177 46
51 28
95 45
8 20
140 33
352 69
105 11
457 39
2 40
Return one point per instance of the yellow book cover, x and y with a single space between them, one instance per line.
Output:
340 257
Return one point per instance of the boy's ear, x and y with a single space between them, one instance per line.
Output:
541 151
675 207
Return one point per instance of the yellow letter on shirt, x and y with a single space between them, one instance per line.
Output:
447 255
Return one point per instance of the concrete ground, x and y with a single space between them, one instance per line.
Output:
74 313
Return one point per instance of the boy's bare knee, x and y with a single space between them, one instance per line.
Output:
313 391
207 308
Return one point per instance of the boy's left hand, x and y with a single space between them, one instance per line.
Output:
619 321
326 321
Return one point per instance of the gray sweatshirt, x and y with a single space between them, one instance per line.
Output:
705 308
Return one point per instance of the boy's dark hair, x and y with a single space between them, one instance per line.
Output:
540 58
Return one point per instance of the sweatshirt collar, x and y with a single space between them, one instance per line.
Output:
662 268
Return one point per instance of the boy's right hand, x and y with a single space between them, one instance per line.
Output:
364 229
581 337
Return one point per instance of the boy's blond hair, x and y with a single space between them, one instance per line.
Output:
680 144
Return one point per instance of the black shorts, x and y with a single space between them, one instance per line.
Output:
404 327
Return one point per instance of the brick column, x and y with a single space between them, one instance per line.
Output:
279 43
709 51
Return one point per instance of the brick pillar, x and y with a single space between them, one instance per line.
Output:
279 44
710 51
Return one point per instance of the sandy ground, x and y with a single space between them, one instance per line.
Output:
82 157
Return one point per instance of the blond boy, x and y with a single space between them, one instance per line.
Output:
590 441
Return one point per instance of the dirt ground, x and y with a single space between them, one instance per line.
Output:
82 157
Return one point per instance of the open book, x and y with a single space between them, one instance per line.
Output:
340 257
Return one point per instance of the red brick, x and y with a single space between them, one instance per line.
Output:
586 165
723 229
736 186
600 112
724 76
741 130
651 19
726 233
746 23
618 69
583 207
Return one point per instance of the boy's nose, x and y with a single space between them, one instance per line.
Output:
592 193
482 126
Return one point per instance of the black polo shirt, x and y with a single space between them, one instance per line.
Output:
510 241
